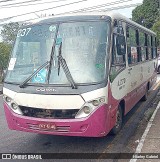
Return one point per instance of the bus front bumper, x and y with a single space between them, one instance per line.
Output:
96 125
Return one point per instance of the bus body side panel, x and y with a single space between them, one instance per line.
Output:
130 84
133 97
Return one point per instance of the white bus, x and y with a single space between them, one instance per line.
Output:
78 75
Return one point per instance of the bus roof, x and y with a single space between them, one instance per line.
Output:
112 15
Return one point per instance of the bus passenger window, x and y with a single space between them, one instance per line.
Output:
142 45
149 47
132 46
153 47
146 47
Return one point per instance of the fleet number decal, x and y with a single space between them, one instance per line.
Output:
23 32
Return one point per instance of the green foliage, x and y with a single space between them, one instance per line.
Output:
156 29
137 14
9 32
4 54
147 13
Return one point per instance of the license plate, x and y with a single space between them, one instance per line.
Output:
47 126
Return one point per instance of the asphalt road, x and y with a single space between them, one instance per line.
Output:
22 142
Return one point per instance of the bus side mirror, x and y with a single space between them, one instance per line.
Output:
121 45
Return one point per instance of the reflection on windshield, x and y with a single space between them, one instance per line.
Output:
38 76
62 62
32 49
84 47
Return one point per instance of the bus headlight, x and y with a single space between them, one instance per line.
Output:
86 109
7 99
95 102
89 107
12 104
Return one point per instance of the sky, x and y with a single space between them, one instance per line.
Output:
36 8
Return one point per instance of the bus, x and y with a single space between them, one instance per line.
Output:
79 74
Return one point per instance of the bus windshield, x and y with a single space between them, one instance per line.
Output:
83 47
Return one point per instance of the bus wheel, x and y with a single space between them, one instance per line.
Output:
158 70
144 98
118 124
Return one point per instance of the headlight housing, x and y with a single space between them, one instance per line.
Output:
89 107
12 104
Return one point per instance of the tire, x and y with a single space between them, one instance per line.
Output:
158 69
119 121
145 97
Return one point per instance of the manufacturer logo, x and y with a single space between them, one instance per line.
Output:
45 90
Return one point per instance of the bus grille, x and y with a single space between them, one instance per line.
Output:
49 113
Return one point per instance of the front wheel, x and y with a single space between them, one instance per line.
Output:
119 120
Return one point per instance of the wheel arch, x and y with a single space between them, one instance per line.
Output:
148 86
122 104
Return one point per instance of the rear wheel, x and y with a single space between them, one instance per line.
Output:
158 70
144 98
118 124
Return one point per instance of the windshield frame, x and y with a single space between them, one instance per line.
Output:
51 54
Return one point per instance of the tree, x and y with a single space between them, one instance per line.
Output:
9 32
156 29
4 56
147 13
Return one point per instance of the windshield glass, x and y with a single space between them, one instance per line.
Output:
84 46
32 49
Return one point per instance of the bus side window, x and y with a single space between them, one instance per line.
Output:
132 45
142 45
146 47
153 47
118 61
149 47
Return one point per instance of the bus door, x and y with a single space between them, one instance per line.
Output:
118 71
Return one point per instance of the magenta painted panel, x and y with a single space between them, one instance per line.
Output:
96 125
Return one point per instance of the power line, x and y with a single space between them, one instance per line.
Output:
118 7
47 9
6 1
93 7
24 3
18 2
113 8
84 9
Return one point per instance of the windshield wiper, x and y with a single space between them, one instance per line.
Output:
22 85
62 62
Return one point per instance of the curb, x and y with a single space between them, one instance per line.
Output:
143 138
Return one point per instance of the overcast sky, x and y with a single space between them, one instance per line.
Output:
57 6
